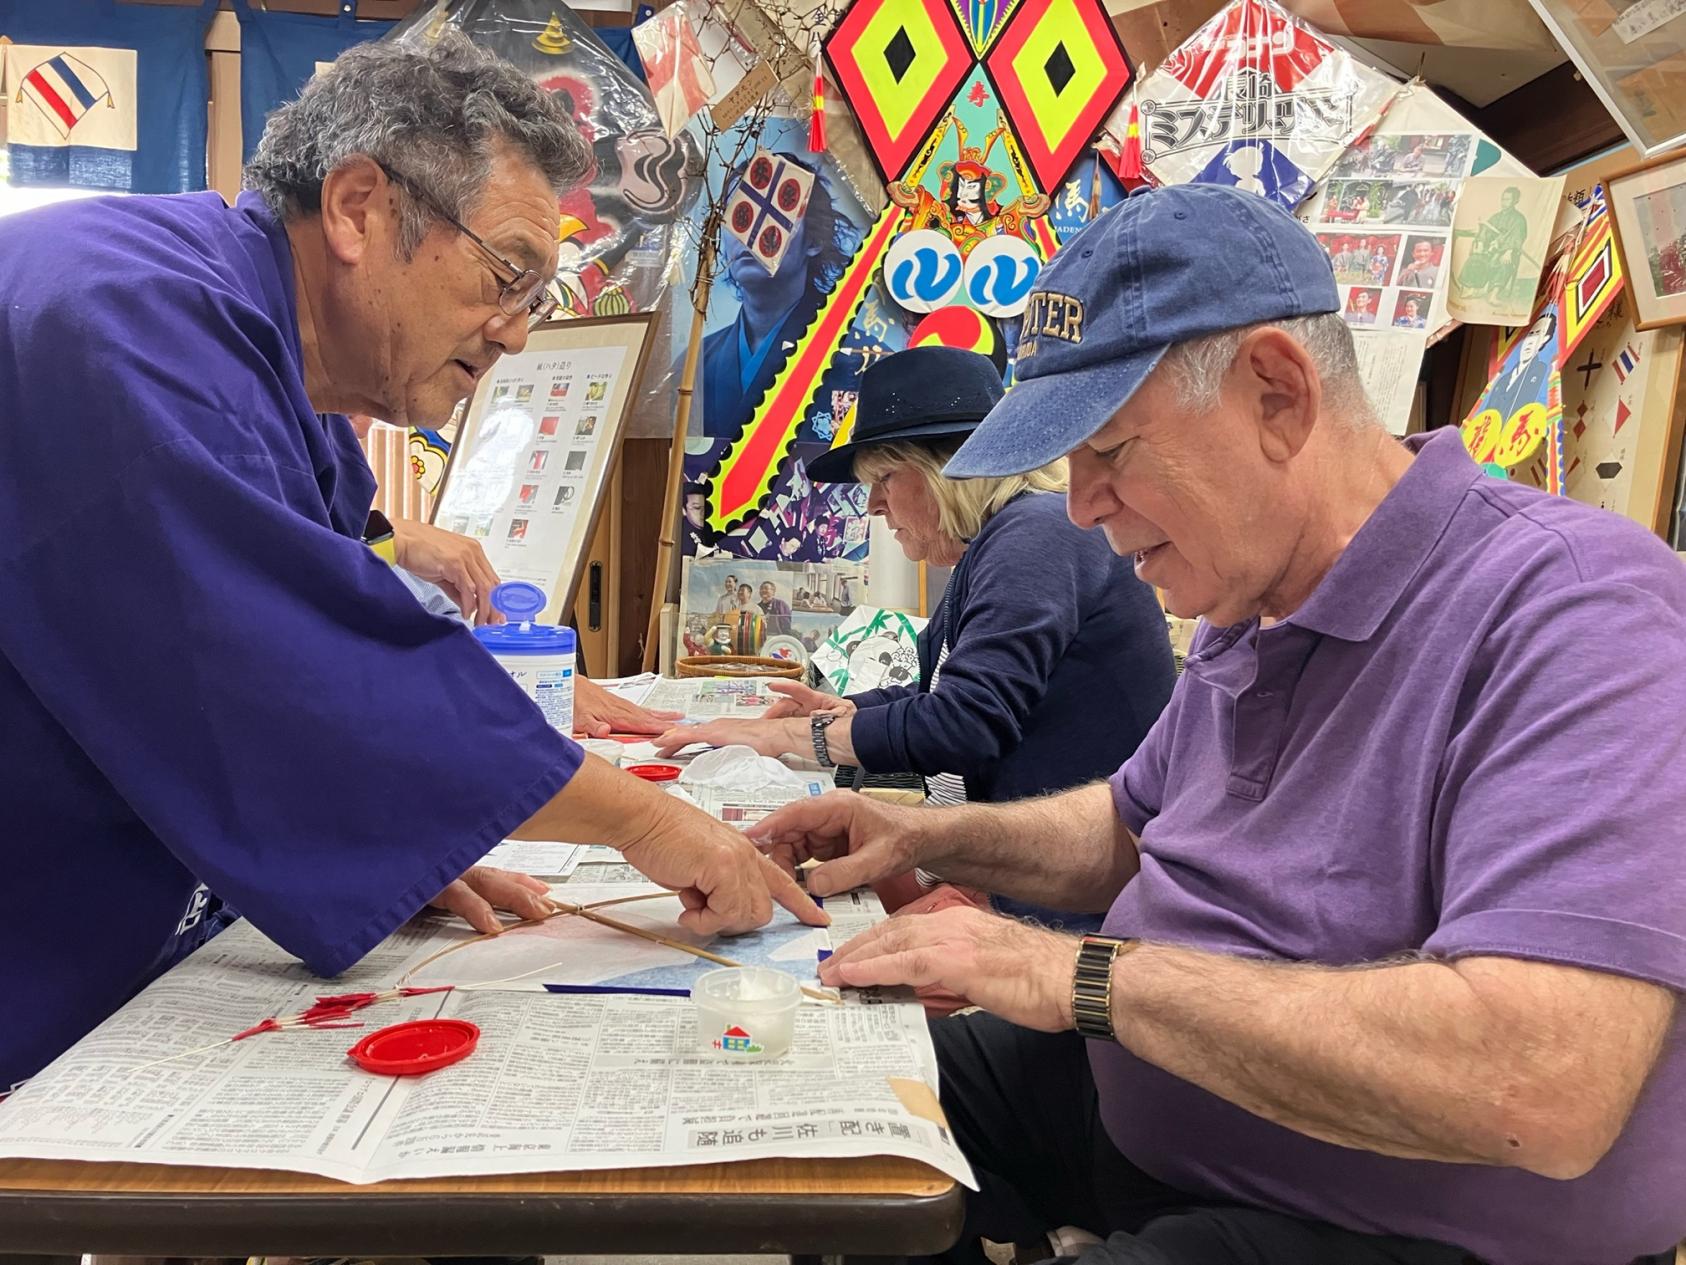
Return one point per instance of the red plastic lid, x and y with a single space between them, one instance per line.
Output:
406 1049
655 772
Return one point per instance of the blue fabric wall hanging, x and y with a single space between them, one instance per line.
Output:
107 95
279 52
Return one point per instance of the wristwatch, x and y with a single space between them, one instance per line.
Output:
1091 985
817 725
377 534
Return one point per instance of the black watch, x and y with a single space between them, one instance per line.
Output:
817 725
1091 985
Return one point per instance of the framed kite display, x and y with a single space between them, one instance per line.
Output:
1633 56
1648 215
536 448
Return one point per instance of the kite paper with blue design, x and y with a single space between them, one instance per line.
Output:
570 951
1257 166
105 95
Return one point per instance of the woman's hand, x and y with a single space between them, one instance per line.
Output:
765 737
801 700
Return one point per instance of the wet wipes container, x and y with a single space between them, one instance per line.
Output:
540 657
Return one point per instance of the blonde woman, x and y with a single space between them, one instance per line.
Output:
1046 661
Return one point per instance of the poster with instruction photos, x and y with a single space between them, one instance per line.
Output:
538 442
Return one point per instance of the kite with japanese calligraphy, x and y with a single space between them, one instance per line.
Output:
1257 100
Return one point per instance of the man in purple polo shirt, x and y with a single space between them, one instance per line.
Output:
1397 915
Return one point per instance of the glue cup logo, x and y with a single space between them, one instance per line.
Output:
736 1041
999 275
923 270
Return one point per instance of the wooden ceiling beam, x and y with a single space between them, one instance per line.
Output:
1549 123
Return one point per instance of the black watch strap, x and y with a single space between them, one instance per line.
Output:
817 725
1091 985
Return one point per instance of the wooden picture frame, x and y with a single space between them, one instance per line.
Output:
1632 56
1647 204
564 399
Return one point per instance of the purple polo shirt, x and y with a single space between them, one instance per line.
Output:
1468 741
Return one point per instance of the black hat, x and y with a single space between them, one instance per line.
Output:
920 393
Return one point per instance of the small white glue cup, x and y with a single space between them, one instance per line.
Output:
746 1013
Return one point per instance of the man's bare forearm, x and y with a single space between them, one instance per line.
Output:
1470 1062
601 805
1065 851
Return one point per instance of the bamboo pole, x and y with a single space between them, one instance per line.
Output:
669 519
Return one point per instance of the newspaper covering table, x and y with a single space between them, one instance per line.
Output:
539 857
712 697
558 1083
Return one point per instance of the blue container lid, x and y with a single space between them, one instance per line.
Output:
519 602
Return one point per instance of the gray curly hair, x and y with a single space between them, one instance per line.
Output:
434 114
1197 366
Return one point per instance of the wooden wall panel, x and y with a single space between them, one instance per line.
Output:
1549 123
643 485
1151 31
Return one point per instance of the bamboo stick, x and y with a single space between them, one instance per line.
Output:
669 518
586 911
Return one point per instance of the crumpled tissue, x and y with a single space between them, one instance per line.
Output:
739 768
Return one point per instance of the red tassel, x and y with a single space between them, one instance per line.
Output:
268 1025
816 119
1130 156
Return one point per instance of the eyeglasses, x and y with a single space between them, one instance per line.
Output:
524 290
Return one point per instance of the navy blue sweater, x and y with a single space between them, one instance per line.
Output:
1058 664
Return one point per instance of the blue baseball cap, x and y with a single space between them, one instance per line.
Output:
1161 267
